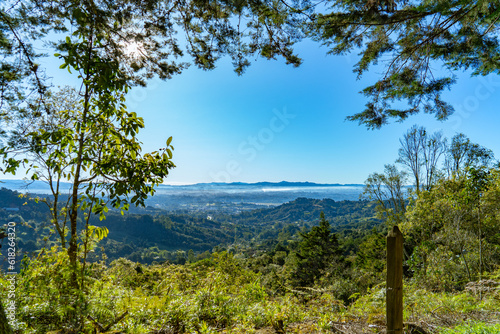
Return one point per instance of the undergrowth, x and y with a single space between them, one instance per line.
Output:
219 295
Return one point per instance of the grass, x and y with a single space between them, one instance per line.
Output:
473 328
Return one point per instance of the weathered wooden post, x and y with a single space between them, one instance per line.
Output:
394 288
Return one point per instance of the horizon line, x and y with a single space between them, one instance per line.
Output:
181 183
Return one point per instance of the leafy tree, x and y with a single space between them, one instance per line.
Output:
452 229
388 190
413 39
318 250
463 154
48 166
92 144
423 220
371 254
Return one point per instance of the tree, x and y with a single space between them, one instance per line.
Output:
435 146
452 229
63 108
411 152
90 142
371 254
388 190
463 154
420 153
318 250
413 39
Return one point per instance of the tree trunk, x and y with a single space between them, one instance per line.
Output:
4 323
480 250
73 242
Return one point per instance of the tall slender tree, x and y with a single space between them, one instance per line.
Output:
434 149
92 144
420 153
411 152
387 189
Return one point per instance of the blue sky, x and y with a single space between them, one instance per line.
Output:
279 123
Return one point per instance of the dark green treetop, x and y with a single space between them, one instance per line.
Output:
318 250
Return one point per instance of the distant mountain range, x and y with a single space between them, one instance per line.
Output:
42 188
278 184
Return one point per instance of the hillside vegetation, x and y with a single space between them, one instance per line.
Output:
156 235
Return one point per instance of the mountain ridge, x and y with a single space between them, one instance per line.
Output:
281 184
260 183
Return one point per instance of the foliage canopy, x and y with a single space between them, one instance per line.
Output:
420 44
318 250
412 39
145 38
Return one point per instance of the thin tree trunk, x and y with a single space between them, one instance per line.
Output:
480 251
72 250
466 266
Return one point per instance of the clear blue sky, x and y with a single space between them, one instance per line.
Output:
279 123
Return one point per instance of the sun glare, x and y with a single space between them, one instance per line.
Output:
133 49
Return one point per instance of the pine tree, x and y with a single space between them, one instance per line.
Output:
317 251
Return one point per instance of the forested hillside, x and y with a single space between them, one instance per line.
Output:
300 277
308 210
156 235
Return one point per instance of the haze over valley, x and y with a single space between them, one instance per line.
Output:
222 197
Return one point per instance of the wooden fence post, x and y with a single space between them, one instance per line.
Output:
394 287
